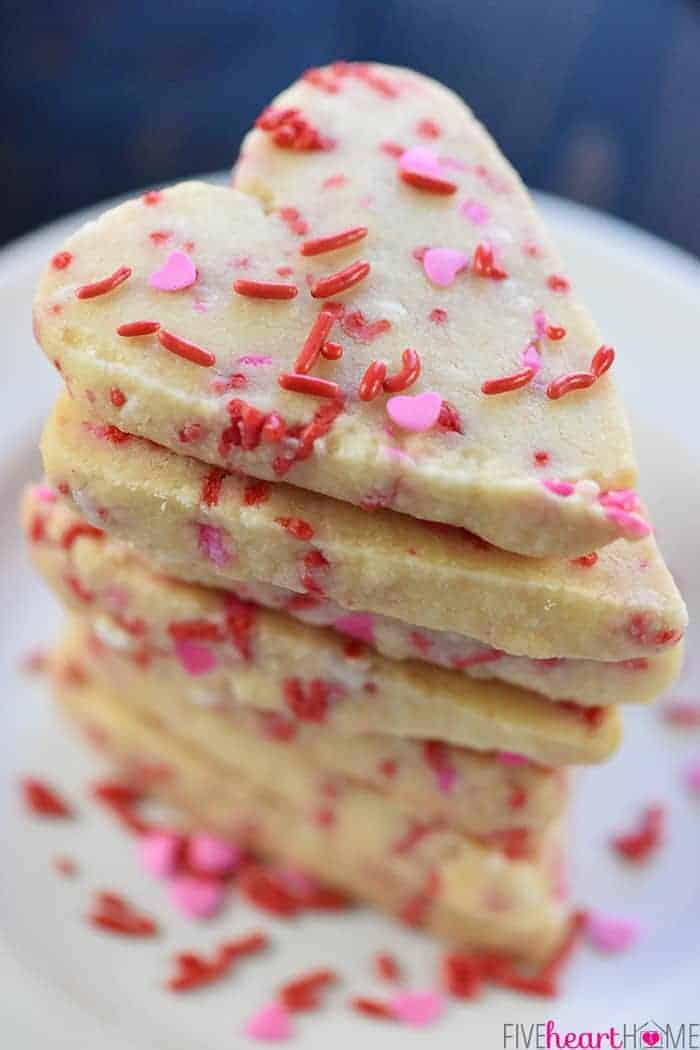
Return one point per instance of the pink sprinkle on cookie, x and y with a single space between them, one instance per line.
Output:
159 852
441 265
212 855
255 359
358 625
610 933
177 272
477 213
511 758
271 1024
195 659
416 413
45 494
212 544
559 488
531 358
422 160
417 1008
195 897
630 525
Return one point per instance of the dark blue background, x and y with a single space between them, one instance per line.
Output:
594 99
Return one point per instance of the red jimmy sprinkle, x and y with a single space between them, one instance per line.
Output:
640 844
428 183
107 284
304 993
296 527
315 342
290 130
333 241
43 800
115 915
407 376
135 328
265 289
372 382
507 383
303 384
334 283
183 348
571 381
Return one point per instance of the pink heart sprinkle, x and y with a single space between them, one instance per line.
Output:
159 852
651 1038
421 160
212 544
177 272
446 778
271 1023
610 933
475 211
212 855
194 658
559 488
630 525
417 413
417 1008
195 897
357 625
45 494
539 320
442 265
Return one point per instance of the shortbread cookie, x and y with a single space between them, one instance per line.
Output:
84 565
450 885
194 522
394 329
502 799
408 700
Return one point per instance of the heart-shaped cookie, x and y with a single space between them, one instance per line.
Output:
304 318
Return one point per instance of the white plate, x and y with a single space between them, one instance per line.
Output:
63 985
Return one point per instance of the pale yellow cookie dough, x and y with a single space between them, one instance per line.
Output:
462 891
172 509
487 478
86 566
495 798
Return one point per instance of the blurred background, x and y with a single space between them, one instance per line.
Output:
597 100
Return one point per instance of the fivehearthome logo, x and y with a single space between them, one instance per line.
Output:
647 1035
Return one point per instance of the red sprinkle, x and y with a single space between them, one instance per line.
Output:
410 370
290 130
363 1004
184 348
193 971
107 284
483 264
315 342
602 360
571 381
293 219
152 197
255 492
310 704
555 332
507 383
438 315
115 915
313 385
334 283
117 397
297 527
429 129
557 283
266 892
332 351
387 967
136 328
449 418
61 260
43 800
65 866
428 183
586 561
77 529
303 993
461 975
357 327
333 241
639 845
265 289
541 458
372 382
211 487
122 800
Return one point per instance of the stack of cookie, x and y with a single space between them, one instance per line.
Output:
339 502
